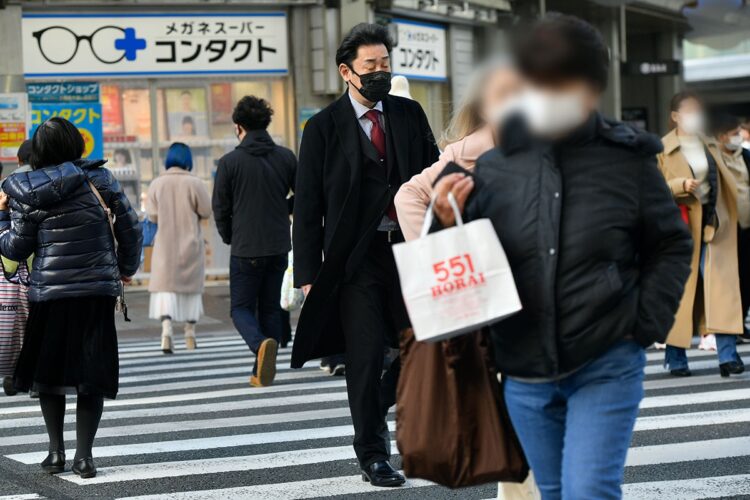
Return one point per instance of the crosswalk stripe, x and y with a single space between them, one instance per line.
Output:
689 489
315 488
215 465
658 355
717 417
692 450
29 496
144 429
240 360
196 396
674 382
215 442
695 398
157 411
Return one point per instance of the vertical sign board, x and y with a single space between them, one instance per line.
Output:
86 116
420 52
154 44
13 118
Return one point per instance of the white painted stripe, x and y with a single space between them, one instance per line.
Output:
685 452
217 382
687 489
695 398
29 496
148 341
164 411
140 472
235 370
692 419
675 382
173 426
652 355
194 396
316 488
246 360
215 442
149 349
180 356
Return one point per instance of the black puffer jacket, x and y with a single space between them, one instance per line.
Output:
56 216
596 243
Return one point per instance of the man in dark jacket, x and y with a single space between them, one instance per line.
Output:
251 210
355 154
599 253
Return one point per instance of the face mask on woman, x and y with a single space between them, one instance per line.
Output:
691 123
735 142
551 114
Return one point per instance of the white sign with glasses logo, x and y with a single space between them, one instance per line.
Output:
421 51
92 45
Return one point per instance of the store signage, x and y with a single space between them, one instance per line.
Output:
63 92
652 68
87 117
94 45
13 116
420 52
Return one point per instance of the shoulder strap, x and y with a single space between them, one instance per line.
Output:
107 211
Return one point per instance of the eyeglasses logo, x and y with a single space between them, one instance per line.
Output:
109 44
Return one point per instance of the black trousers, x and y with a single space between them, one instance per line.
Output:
743 252
372 313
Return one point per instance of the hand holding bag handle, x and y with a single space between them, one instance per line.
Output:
120 305
430 214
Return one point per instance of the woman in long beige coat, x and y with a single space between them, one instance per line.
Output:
704 188
177 201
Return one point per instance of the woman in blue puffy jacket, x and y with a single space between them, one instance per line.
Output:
59 213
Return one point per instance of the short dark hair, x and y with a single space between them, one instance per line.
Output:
252 113
721 123
24 152
362 35
682 96
56 141
561 47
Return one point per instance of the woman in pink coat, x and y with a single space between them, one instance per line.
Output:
471 132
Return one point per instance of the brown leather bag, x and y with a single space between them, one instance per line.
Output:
451 424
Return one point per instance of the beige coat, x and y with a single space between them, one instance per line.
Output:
718 308
414 196
177 201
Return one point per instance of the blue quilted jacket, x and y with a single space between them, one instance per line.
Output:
55 215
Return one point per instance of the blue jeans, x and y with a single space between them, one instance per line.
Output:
576 431
255 294
675 358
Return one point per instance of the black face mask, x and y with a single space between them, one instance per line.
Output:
375 85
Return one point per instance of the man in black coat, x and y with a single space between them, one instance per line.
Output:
252 215
355 154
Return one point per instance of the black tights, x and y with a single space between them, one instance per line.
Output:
88 413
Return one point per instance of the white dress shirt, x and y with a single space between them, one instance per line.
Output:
360 110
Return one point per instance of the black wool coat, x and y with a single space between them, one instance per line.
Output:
328 208
596 244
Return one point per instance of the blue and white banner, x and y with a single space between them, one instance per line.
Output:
137 45
63 92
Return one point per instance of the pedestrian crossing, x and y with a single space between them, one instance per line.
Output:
188 426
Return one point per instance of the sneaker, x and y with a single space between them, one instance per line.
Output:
338 370
266 371
708 343
325 366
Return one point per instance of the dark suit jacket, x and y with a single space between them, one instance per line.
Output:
328 208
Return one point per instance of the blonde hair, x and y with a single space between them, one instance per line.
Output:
467 117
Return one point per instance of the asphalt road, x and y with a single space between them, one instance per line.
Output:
188 426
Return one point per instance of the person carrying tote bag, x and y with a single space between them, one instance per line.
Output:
14 311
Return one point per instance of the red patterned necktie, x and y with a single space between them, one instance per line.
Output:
377 137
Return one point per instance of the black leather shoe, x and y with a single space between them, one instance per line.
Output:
731 368
8 386
681 372
84 467
382 474
54 463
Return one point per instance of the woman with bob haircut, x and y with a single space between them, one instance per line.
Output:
177 201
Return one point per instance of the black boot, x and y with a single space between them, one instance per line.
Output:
54 463
8 386
681 372
731 368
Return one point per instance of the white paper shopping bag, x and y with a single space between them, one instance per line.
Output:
456 280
